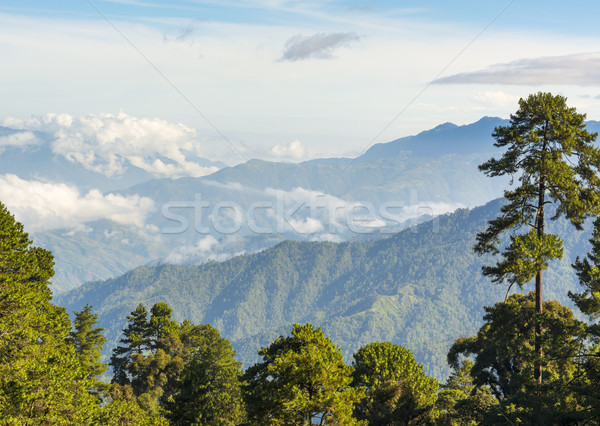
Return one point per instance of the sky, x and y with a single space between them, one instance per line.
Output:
285 80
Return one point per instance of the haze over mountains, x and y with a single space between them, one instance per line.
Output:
125 217
347 244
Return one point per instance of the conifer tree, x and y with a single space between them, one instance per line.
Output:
209 388
397 389
553 157
136 339
504 360
161 325
88 341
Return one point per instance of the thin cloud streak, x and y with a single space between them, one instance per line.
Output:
316 46
579 69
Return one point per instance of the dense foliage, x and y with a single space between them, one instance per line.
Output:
41 377
301 377
171 372
397 389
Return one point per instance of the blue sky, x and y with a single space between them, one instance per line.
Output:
292 80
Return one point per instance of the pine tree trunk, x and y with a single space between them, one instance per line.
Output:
539 302
538 328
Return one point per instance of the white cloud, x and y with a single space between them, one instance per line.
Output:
293 151
316 214
577 69
43 206
105 143
206 248
497 98
20 139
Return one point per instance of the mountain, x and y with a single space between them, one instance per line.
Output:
421 288
257 204
444 139
323 194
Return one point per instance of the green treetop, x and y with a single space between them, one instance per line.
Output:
505 357
588 301
136 339
301 377
398 390
208 390
553 157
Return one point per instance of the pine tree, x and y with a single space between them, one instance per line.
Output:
504 360
398 390
136 339
88 341
554 158
588 302
161 325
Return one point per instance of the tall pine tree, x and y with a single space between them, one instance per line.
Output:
553 157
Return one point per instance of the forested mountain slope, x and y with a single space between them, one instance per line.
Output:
421 288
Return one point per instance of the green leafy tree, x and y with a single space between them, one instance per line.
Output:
505 357
554 158
208 391
398 391
136 339
122 409
41 379
88 341
460 402
301 377
588 301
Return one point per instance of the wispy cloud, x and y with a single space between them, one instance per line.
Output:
43 206
578 69
318 46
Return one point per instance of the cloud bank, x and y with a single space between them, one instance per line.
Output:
579 69
42 206
107 143
293 151
316 46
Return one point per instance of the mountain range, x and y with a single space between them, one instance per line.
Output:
421 288
324 195
257 204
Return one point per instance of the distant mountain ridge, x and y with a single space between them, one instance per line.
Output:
447 138
416 185
415 173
